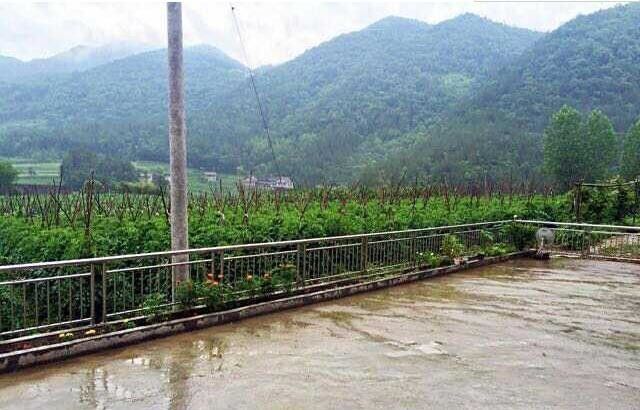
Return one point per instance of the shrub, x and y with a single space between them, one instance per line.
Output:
187 294
430 259
154 307
452 247
520 235
213 295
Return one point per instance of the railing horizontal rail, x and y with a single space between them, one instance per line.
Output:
579 225
45 279
118 258
47 295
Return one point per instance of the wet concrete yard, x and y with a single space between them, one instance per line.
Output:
525 334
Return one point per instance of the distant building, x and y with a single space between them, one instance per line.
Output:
210 176
146 177
277 183
250 182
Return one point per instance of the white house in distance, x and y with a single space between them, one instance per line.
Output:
210 176
277 183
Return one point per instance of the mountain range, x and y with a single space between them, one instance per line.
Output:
462 99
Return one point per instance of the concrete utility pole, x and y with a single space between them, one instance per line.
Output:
177 144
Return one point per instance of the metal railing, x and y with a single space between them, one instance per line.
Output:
46 296
592 240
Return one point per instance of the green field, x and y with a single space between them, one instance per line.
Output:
197 180
46 172
35 172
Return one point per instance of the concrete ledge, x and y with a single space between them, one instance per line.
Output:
59 351
597 257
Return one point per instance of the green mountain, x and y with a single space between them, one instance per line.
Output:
591 62
78 58
465 99
371 85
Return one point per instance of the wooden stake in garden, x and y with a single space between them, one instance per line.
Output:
177 144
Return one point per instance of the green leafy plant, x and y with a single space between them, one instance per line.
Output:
284 277
430 259
452 247
498 249
521 236
154 307
213 295
187 293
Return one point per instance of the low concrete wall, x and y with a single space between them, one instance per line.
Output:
44 354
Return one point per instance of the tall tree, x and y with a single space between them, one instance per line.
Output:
8 175
630 165
577 150
565 159
601 146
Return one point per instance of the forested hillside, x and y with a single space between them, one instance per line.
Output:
465 99
375 84
76 59
590 63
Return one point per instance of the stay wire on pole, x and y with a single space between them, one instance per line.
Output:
261 110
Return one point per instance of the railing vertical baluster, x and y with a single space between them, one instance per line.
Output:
364 254
104 298
92 294
300 265
221 266
37 311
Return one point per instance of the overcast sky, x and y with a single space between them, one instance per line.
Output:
273 31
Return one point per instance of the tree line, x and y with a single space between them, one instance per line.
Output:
580 148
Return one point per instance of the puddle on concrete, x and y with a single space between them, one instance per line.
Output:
525 334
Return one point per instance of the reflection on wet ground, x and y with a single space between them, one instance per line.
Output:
526 334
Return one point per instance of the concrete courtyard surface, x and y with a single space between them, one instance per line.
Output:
524 334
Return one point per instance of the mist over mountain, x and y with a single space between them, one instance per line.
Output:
461 99
78 58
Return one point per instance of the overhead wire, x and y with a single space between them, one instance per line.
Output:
261 110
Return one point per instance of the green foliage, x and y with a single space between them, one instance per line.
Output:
464 100
433 260
8 175
212 294
284 277
498 249
590 63
608 205
154 307
334 105
187 293
138 224
578 151
452 247
630 165
79 165
521 236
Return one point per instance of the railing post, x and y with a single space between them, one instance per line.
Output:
414 249
104 292
93 294
213 268
364 254
221 274
301 263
